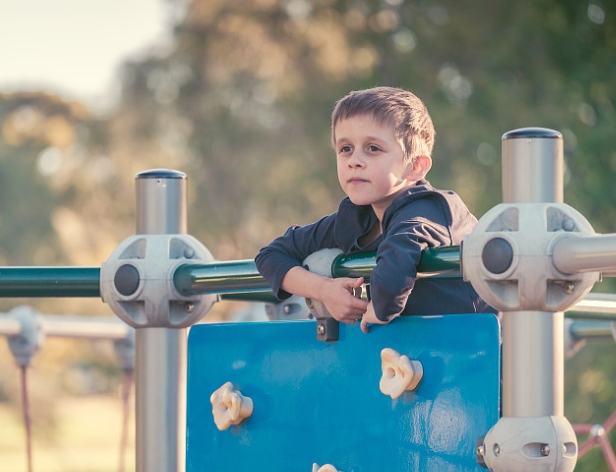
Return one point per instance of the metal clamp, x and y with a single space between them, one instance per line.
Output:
514 443
320 262
508 257
137 281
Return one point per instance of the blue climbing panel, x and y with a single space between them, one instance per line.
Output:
317 402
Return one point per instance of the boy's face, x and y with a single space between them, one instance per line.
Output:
371 165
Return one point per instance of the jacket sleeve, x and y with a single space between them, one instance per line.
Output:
398 256
289 250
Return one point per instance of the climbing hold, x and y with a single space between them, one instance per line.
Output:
229 406
399 373
325 468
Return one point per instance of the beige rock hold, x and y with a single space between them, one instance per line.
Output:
229 406
399 373
325 468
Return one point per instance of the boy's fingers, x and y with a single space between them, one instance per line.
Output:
364 326
354 283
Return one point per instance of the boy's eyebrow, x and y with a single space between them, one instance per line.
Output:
340 139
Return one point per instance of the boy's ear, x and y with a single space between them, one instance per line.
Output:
420 168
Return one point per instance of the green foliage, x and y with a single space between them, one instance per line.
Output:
590 396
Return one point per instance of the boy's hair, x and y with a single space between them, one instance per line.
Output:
402 109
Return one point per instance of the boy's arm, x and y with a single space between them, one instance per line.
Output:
336 294
394 275
290 250
280 262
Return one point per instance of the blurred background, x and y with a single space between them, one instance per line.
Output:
238 95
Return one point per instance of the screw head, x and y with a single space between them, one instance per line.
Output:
496 449
189 307
545 450
286 309
320 329
568 224
597 430
568 288
480 450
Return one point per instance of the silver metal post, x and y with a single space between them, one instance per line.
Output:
533 363
533 347
533 166
160 373
585 254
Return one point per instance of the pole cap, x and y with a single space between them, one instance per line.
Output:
161 174
530 133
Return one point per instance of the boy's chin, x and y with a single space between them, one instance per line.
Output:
359 201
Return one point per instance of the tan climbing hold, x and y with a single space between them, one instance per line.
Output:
229 406
325 468
399 373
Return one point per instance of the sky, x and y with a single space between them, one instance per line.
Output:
74 47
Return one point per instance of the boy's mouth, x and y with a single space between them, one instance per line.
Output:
356 180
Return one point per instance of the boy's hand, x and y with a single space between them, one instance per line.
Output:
370 317
340 301
336 294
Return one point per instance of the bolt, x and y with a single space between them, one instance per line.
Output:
189 307
568 287
189 253
496 449
545 450
480 451
321 329
597 430
287 310
568 224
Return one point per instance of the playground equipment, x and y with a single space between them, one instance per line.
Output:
26 330
532 257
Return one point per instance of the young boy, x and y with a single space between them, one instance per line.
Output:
383 139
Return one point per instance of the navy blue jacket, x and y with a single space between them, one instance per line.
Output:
419 218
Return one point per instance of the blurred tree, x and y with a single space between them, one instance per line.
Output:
242 101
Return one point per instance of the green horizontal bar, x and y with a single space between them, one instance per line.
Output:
592 329
240 280
233 280
32 282
265 297
434 262
580 314
225 278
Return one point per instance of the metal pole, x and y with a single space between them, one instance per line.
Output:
533 166
88 327
533 364
9 326
585 253
160 373
533 346
241 279
601 330
50 282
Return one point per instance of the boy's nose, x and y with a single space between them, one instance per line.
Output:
356 159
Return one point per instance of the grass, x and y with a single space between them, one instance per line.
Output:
86 438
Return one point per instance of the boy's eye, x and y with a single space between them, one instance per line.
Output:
373 148
345 149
